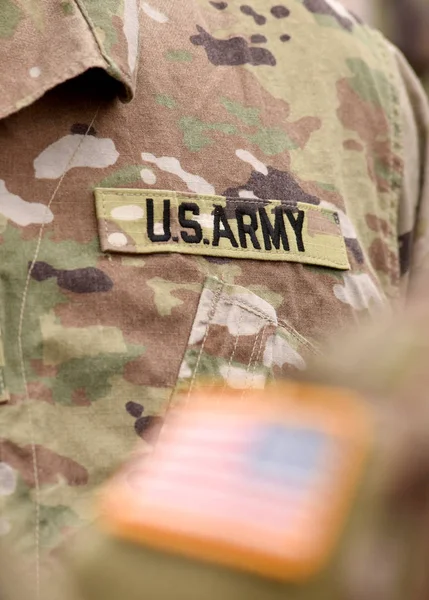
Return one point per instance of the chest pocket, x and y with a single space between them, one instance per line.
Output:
237 339
237 336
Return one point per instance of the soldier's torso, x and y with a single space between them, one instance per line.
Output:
261 129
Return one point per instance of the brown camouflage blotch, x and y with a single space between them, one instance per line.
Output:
312 188
50 465
220 343
39 391
382 257
371 124
80 398
302 130
352 145
43 370
376 224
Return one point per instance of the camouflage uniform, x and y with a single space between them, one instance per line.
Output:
195 189
382 548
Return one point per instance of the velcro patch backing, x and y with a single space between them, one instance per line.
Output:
148 221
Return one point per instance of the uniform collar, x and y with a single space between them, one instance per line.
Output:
47 43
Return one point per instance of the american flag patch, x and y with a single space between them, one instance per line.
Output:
257 488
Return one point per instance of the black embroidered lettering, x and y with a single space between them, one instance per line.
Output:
247 228
158 237
220 217
273 235
297 225
190 223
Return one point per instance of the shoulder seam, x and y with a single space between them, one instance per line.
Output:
397 150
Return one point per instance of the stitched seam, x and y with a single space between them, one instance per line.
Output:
2 383
257 339
298 337
259 357
259 354
3 391
320 211
396 132
115 68
213 306
22 362
250 309
240 318
308 258
183 248
395 148
213 197
277 322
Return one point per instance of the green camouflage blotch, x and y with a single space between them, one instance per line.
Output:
178 56
68 8
101 15
131 261
66 254
3 223
328 187
90 373
249 115
272 140
10 16
194 131
166 100
53 520
363 83
328 21
382 169
163 294
318 271
121 177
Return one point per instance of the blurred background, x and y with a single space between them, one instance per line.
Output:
405 22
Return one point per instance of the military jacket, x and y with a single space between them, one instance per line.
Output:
188 190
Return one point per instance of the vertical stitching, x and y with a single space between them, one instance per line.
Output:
258 354
239 320
2 383
396 148
258 336
3 390
177 214
214 303
22 362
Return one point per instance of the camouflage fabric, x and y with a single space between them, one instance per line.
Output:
294 105
383 548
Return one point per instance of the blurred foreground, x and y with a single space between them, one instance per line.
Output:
311 489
